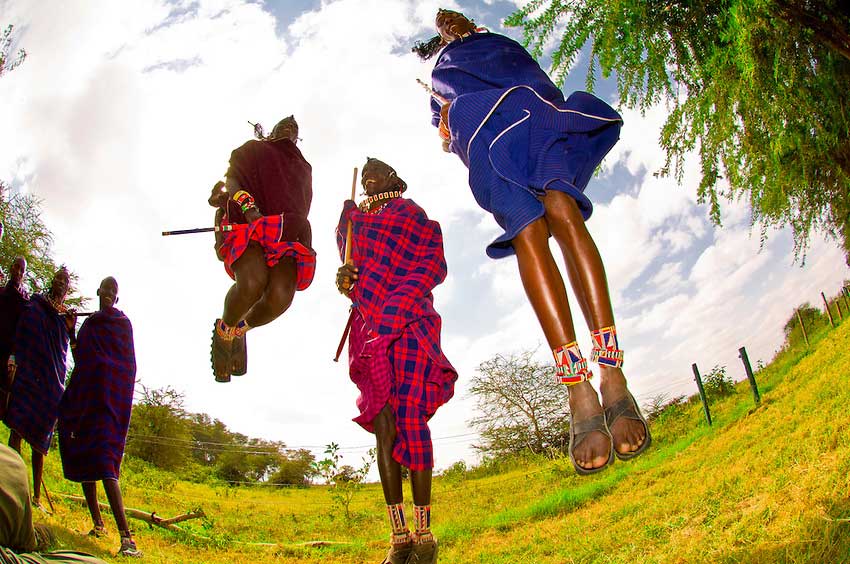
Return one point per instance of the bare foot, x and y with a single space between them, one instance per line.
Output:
594 449
628 434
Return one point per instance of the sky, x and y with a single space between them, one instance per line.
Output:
124 114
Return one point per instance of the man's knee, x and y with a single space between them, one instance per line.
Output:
281 287
564 216
252 284
384 425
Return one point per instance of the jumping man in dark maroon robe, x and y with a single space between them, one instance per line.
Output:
266 199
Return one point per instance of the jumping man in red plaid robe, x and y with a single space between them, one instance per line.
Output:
394 348
266 199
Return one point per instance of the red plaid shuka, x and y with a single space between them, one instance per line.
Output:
268 232
394 347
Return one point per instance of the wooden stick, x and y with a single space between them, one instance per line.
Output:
150 518
441 99
217 228
350 228
802 327
47 495
828 313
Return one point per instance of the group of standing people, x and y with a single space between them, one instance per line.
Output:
530 154
92 411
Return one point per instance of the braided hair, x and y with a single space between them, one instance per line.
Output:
427 49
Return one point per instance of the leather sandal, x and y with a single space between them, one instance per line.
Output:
627 407
579 431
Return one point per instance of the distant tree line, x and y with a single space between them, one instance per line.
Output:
200 448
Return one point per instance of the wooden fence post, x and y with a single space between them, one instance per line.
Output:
698 380
828 313
742 353
838 305
802 326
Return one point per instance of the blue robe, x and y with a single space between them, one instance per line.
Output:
516 134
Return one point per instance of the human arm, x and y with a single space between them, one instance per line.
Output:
243 199
11 367
237 181
70 319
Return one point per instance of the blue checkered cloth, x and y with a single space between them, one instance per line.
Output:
94 413
41 344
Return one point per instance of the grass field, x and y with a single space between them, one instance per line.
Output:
766 484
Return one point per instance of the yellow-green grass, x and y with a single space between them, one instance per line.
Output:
764 484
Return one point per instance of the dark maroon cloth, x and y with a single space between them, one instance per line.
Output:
41 344
12 304
94 413
276 174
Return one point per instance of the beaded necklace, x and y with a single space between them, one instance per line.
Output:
369 204
58 306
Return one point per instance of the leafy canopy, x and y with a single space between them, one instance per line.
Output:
757 87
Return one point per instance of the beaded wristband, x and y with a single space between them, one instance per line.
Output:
244 200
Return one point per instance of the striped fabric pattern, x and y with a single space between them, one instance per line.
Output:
395 355
41 345
268 231
94 413
515 132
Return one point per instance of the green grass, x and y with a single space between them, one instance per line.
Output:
764 484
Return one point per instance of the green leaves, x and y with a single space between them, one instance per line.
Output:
758 88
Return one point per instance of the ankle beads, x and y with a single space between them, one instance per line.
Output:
606 350
570 365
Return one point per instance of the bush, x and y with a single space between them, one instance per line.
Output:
718 384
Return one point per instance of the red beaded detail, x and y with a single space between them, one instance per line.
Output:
570 365
606 350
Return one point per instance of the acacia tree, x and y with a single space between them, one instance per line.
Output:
26 235
520 406
7 62
757 87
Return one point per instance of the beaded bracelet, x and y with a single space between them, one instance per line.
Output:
244 200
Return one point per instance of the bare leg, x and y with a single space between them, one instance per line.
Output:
587 277
15 441
545 289
278 294
37 472
252 276
420 483
388 468
116 503
90 492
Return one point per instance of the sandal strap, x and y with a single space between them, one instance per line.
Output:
625 407
590 425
